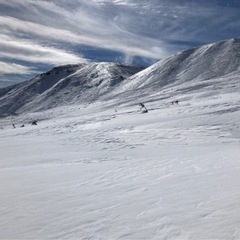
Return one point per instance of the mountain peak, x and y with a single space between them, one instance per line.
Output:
88 82
195 64
64 85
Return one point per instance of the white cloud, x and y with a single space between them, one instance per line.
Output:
33 52
12 68
89 23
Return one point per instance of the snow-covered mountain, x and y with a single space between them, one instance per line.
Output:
194 66
187 71
64 85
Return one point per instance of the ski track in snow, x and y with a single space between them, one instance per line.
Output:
89 172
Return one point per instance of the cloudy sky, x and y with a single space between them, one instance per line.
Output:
36 35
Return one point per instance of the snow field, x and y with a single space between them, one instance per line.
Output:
90 172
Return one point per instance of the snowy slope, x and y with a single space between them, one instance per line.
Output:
64 85
205 71
103 170
89 172
190 70
196 64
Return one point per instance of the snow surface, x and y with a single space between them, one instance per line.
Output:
106 171
103 170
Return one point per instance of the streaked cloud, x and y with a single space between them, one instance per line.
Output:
54 32
32 52
12 68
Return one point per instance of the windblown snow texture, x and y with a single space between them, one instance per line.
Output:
94 168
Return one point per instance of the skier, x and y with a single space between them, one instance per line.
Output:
142 106
34 122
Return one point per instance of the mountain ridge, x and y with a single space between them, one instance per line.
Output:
199 63
189 70
62 85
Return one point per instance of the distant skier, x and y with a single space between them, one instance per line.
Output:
143 108
175 102
13 125
34 122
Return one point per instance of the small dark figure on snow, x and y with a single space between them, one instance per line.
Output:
175 102
34 122
22 125
13 125
143 108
